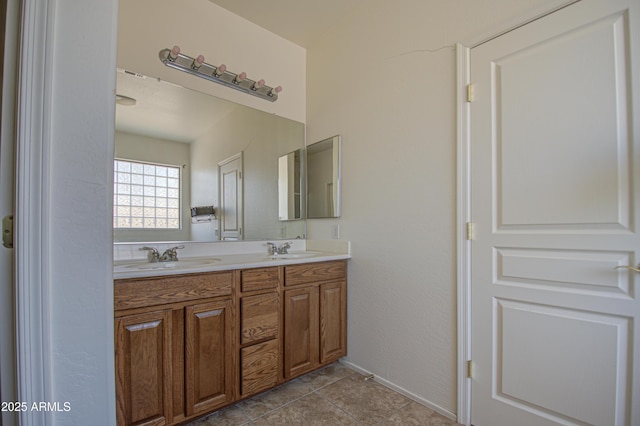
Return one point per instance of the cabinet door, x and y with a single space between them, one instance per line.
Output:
333 321
208 356
300 331
143 368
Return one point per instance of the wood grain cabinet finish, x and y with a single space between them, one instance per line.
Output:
143 368
208 353
315 316
187 345
260 316
174 347
300 331
333 321
259 367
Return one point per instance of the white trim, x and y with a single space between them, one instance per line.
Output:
386 383
513 24
33 210
463 245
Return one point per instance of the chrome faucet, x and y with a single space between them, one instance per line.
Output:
284 248
169 255
274 250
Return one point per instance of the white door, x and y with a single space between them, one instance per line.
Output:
231 199
555 159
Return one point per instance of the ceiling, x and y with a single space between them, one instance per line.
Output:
299 21
164 110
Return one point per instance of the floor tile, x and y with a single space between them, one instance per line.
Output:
230 416
327 375
261 404
419 415
310 410
367 401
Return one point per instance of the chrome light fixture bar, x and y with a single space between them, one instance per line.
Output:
219 74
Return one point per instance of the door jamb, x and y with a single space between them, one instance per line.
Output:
463 242
32 224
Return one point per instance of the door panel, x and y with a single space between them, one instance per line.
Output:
231 211
555 328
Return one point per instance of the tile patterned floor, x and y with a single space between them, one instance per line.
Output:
334 395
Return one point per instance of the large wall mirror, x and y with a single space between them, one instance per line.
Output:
323 178
170 144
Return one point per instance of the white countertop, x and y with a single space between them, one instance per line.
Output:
211 261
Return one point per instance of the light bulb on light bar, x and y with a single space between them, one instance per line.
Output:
257 85
275 91
240 77
220 70
173 53
198 62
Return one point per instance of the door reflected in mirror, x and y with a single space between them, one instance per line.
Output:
323 178
290 186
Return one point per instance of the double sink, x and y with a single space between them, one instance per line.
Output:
137 268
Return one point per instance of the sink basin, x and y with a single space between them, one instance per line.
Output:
180 264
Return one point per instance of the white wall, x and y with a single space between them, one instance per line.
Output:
385 79
129 146
202 27
79 193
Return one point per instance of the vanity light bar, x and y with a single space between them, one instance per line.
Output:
197 66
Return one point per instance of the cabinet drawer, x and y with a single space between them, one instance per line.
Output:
310 272
259 367
143 292
259 317
259 279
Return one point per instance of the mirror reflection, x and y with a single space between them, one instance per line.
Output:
170 145
290 186
323 179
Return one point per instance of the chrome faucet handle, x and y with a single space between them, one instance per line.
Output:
272 248
153 255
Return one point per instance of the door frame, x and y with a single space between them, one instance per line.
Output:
32 208
10 16
464 215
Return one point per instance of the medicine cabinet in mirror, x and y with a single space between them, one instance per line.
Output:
323 178
290 184
162 124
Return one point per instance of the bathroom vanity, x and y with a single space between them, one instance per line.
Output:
188 343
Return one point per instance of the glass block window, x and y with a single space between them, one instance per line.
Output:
146 196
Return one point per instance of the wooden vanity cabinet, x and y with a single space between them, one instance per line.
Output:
174 347
187 345
315 313
260 366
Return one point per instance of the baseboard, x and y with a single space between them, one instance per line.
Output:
400 390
